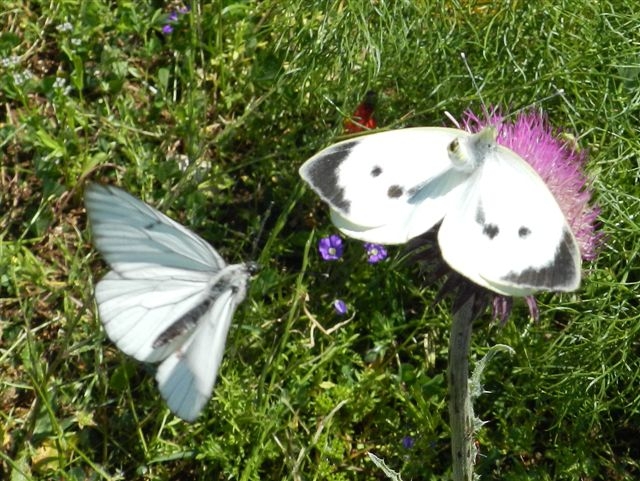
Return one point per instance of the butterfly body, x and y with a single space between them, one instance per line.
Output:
500 225
169 297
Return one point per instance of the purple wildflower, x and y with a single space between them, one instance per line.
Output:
408 442
331 248
375 252
340 307
173 18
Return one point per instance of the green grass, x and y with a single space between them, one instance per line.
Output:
246 92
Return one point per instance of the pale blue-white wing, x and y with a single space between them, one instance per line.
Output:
135 312
430 202
506 231
390 186
186 378
170 297
131 236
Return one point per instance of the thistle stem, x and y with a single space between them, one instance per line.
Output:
460 408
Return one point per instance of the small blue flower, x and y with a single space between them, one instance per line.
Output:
331 247
375 252
173 18
340 307
408 442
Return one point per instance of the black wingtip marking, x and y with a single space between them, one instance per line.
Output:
558 274
324 178
395 191
376 171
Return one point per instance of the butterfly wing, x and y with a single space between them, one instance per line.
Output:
161 271
136 311
132 235
186 378
390 186
169 297
506 231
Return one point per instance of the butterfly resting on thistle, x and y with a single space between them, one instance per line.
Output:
500 226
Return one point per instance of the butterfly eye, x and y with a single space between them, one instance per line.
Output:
453 147
459 157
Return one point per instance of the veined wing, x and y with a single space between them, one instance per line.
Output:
135 312
131 235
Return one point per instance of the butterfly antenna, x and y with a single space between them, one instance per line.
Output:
560 92
557 93
254 246
452 119
473 81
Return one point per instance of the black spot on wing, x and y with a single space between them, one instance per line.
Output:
324 175
524 232
559 273
376 171
490 230
395 191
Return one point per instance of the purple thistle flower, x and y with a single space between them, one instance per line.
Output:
167 29
340 307
557 162
560 165
331 248
375 252
173 17
501 307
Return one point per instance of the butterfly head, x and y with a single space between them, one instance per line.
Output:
251 267
467 153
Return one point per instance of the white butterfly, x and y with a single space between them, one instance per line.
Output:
501 226
170 296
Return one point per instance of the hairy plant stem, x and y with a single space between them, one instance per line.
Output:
460 407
